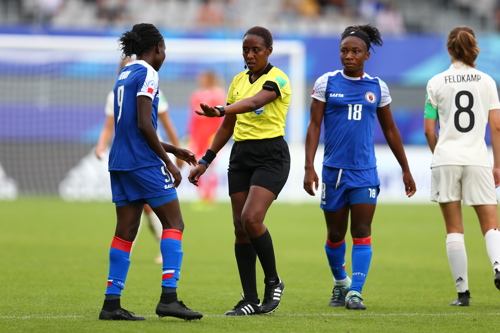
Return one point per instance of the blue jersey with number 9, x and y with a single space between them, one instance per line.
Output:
130 151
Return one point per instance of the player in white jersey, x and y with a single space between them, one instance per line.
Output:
461 102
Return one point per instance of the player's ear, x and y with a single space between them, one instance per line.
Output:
270 50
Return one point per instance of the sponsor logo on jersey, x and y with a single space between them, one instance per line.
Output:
281 81
258 112
124 75
336 95
370 97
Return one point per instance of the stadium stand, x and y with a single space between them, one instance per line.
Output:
319 17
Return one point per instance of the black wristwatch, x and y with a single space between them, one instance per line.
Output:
222 111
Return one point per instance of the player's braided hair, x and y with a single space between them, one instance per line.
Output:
368 33
262 32
462 44
140 39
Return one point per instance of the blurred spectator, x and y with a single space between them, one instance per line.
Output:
210 14
309 8
330 6
289 10
390 20
497 16
368 9
46 10
111 11
231 13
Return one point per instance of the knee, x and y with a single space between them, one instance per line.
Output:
361 231
251 222
239 231
335 236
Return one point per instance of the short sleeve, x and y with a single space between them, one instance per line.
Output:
230 92
320 88
430 110
109 108
494 103
150 84
162 102
385 95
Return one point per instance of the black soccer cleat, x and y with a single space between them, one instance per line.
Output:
244 308
462 300
497 279
177 309
272 297
119 314
338 296
354 301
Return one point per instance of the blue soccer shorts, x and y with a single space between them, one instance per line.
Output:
343 186
151 185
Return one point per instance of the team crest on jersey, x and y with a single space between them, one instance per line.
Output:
370 97
258 112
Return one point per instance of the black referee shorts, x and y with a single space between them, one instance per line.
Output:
264 163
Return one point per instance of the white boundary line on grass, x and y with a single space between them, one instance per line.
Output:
291 315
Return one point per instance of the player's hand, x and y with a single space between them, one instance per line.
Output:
207 111
176 174
185 155
410 187
196 173
311 181
496 176
99 152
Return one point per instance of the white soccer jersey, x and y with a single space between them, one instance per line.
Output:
109 107
460 98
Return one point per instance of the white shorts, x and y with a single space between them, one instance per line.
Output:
474 185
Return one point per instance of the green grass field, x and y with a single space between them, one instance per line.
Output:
54 262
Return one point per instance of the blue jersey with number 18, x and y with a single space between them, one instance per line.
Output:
350 108
130 151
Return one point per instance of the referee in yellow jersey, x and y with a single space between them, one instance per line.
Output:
255 115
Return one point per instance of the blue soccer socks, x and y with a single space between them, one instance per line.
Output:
119 263
361 258
171 245
335 252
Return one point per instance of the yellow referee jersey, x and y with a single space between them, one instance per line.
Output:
269 121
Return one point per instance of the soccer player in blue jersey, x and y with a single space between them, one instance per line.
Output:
347 101
255 115
142 173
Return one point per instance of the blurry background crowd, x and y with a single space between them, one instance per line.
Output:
319 17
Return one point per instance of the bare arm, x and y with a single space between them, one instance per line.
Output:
226 129
249 104
393 138
494 121
430 133
311 180
105 137
171 132
144 109
221 137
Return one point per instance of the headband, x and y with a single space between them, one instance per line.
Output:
360 35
